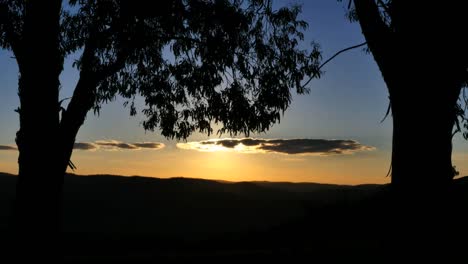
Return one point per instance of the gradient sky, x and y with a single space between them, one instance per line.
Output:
347 103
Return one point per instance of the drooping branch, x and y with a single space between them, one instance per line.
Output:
389 108
341 51
331 58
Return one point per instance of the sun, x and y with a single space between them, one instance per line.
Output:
213 145
207 146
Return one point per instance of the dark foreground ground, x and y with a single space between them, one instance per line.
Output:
136 219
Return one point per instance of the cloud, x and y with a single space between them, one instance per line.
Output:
106 145
318 146
115 144
301 146
6 147
85 146
119 145
149 145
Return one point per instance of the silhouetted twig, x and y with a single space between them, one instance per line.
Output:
386 113
331 58
341 51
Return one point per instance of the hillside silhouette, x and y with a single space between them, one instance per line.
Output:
107 217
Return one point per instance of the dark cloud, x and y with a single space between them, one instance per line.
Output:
251 142
228 143
109 145
312 146
116 144
6 147
149 145
284 146
85 146
113 144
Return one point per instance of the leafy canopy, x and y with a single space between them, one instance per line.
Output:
195 62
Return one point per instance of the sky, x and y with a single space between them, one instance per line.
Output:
333 134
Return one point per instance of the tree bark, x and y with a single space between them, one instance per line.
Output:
38 192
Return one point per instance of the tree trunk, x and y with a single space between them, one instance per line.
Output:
423 121
423 86
44 141
38 193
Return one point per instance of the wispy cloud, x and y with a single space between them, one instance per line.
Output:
301 146
106 145
117 145
149 145
85 146
7 147
113 144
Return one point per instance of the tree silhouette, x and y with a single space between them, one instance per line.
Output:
421 54
230 63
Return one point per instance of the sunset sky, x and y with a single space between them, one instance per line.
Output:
332 135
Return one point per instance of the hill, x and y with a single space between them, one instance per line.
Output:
127 218
109 203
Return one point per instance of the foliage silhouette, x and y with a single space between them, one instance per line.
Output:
195 63
420 52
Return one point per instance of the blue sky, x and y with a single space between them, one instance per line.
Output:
348 102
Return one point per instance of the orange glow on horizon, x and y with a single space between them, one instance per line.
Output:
362 168
234 166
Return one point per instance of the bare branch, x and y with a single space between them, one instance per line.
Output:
389 108
331 58
389 172
341 51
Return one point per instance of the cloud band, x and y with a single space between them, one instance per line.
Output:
304 146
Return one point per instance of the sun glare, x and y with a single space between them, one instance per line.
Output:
208 146
213 145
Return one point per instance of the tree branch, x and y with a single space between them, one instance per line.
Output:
82 91
341 51
124 52
331 58
373 27
82 101
369 16
378 36
115 66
